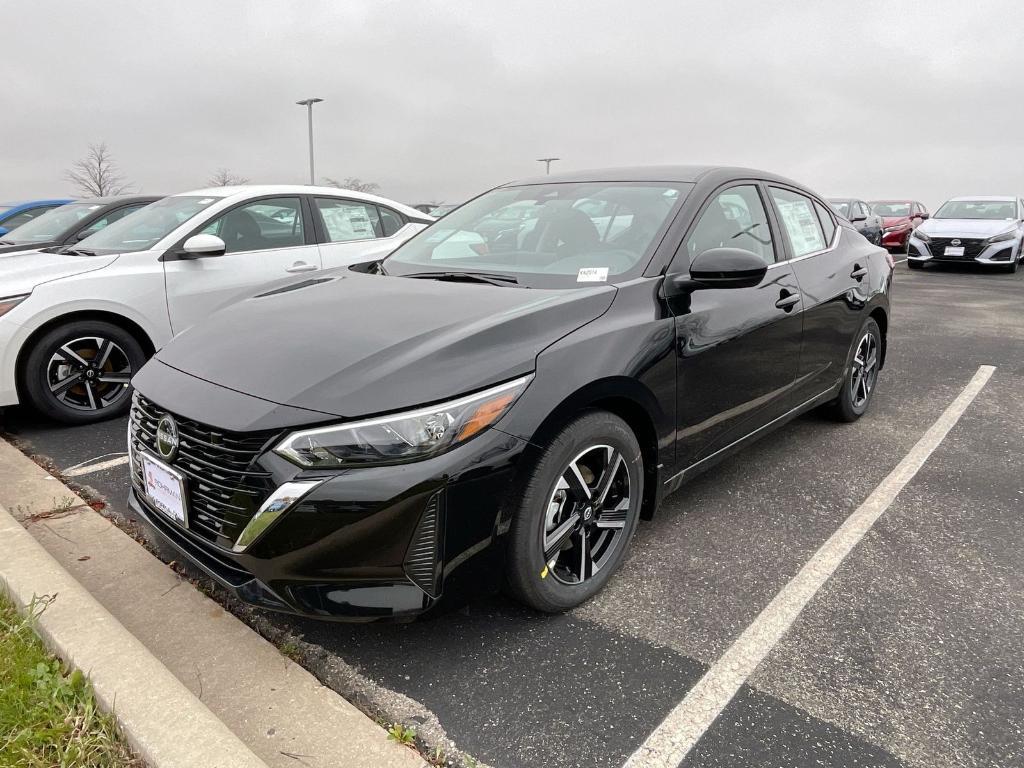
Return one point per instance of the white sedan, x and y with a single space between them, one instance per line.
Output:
75 325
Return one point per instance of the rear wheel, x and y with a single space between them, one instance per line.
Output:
79 372
579 506
863 365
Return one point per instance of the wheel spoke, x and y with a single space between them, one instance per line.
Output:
586 556
577 484
554 541
71 356
605 483
114 378
65 384
105 348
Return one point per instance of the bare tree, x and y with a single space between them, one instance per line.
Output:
353 183
97 175
222 177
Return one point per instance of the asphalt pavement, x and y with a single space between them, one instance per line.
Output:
908 656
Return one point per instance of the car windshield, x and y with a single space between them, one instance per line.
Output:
977 209
891 209
143 229
842 208
560 234
52 224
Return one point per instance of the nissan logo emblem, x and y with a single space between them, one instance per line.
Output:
167 438
954 242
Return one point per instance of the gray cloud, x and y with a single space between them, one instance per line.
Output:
442 100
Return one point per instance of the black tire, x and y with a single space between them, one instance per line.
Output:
849 405
72 350
530 577
915 264
1013 266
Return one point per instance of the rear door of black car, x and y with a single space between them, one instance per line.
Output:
833 275
738 349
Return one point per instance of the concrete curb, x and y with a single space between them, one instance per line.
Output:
162 720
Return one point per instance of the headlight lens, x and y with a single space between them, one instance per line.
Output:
1000 238
404 436
921 236
6 305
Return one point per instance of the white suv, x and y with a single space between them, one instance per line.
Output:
75 325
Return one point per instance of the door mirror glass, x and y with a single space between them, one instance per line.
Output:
724 268
204 245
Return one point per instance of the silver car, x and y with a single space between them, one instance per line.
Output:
985 230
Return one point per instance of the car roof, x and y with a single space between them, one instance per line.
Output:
991 198
246 191
35 203
111 199
686 174
894 200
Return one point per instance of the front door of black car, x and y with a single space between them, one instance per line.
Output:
738 349
834 277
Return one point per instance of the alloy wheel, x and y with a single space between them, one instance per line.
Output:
865 370
90 373
586 515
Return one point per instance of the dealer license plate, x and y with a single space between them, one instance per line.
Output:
954 250
165 489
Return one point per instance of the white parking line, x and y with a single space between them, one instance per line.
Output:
86 468
898 261
673 739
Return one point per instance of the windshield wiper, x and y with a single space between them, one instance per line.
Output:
79 252
7 242
492 278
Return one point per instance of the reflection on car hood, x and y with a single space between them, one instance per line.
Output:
965 227
23 271
352 344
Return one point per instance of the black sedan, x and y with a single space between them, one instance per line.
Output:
66 225
859 213
467 413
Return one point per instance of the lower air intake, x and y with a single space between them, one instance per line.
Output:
422 561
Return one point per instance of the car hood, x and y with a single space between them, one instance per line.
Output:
21 272
349 344
895 221
965 227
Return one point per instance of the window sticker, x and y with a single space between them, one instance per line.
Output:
802 225
592 275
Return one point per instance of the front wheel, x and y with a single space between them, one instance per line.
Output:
79 372
1013 266
579 506
863 365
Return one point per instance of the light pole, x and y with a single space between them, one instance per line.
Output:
547 163
308 104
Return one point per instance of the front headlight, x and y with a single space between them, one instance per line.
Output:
1002 237
6 305
404 436
921 236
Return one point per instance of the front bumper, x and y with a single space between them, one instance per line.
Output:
1000 253
368 543
896 238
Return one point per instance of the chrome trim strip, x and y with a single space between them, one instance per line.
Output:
832 247
280 501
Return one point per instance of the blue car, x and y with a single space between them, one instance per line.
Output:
15 214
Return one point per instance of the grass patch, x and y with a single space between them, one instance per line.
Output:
48 716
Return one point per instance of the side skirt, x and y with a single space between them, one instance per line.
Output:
673 483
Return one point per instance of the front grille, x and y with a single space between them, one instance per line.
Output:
424 555
224 487
972 248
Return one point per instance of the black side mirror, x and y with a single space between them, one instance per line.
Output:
720 268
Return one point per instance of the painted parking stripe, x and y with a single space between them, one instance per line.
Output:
92 465
899 261
672 740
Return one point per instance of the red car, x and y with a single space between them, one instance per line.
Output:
899 218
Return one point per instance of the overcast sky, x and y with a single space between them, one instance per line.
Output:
438 101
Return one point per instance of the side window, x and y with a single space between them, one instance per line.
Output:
259 225
109 219
347 220
799 222
735 218
390 221
828 226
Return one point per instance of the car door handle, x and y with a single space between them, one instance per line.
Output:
859 272
301 266
787 300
